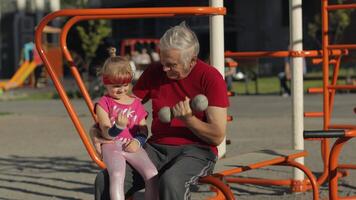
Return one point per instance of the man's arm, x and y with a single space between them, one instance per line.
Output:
213 131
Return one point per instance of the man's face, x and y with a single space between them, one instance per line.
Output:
172 65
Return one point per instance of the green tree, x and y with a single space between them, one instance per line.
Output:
91 36
90 32
339 20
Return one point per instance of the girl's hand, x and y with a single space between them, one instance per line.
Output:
98 140
122 120
132 146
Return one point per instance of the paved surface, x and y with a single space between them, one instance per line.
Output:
42 156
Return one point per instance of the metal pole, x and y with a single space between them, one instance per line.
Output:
217 50
296 44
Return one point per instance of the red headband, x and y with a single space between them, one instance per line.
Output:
107 80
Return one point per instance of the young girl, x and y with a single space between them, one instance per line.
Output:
121 118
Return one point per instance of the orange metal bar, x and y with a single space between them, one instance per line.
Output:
342 46
231 64
284 161
334 156
316 61
347 166
342 87
315 90
313 114
282 54
325 44
216 182
342 126
325 152
309 174
341 6
334 153
230 94
258 181
350 133
261 164
334 82
333 87
115 11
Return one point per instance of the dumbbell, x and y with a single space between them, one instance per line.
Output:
198 104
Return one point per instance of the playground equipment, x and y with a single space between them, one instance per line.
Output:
228 166
20 76
32 61
85 14
330 54
346 131
132 42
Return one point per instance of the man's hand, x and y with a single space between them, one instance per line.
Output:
132 146
182 109
97 139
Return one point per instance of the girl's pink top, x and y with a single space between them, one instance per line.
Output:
135 112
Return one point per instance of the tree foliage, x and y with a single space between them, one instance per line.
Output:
91 32
339 20
91 36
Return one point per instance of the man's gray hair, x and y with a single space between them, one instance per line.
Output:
181 37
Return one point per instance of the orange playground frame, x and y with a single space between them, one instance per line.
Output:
330 54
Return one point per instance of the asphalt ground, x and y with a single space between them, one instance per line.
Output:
42 156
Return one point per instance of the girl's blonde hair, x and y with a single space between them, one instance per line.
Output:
116 70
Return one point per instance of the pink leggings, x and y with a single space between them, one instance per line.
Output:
115 159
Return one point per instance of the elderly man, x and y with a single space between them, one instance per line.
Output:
185 148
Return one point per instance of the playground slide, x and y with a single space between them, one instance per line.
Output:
19 77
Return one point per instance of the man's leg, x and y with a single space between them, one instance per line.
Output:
193 163
102 186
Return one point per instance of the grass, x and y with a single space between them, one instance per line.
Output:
5 113
270 85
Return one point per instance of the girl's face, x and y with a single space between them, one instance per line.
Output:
117 91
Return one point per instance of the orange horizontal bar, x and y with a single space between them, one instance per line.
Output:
341 6
142 11
259 181
313 114
342 126
315 90
275 161
230 93
231 64
282 54
342 46
316 61
342 87
347 166
351 133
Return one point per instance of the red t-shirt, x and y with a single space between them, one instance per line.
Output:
154 85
